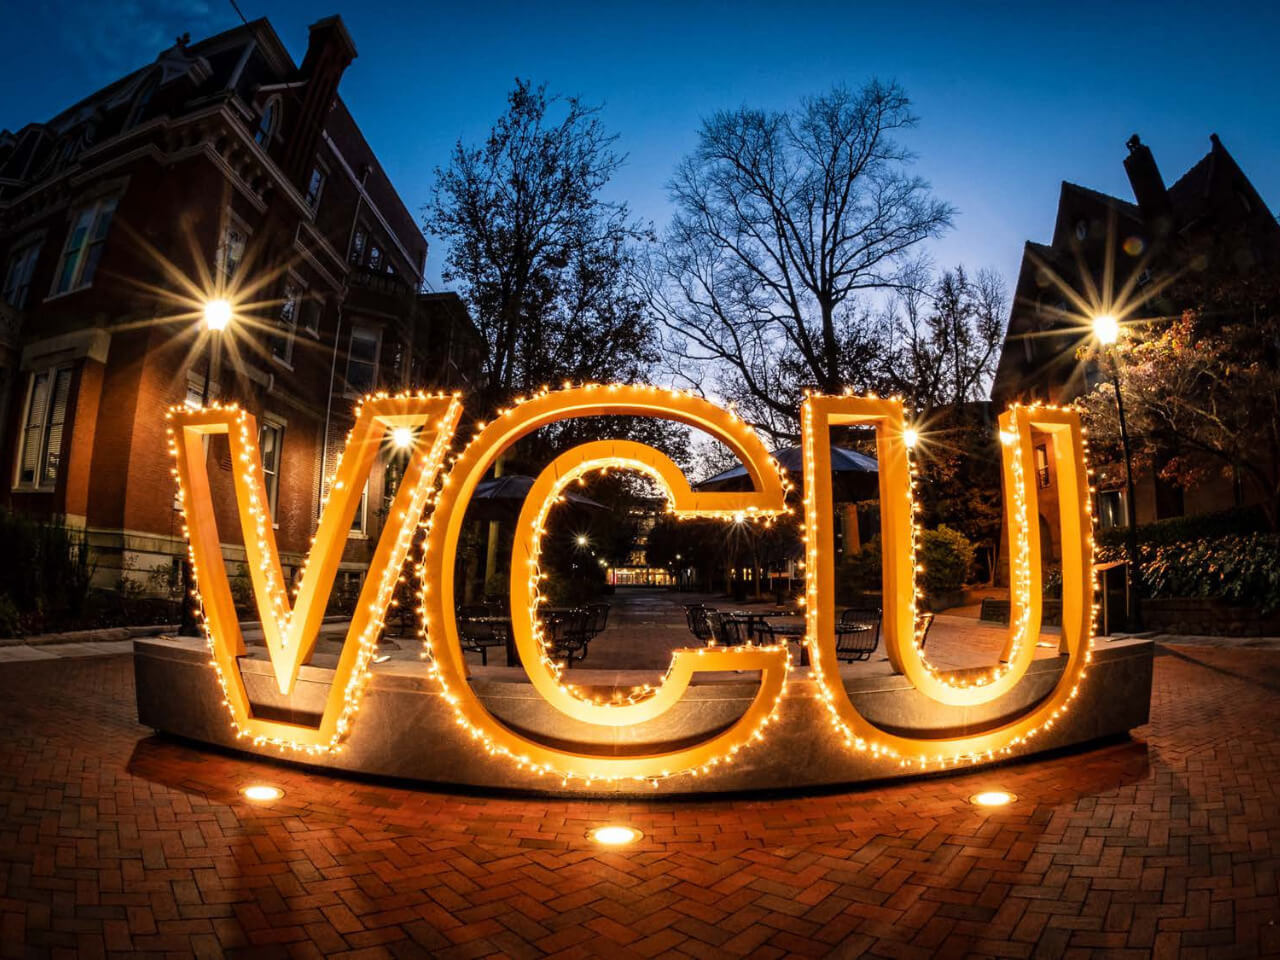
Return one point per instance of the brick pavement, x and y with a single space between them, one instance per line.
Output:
117 843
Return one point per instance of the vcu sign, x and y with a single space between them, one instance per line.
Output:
292 626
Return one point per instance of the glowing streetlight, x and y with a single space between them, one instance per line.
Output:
1106 329
216 317
402 437
581 540
217 314
910 436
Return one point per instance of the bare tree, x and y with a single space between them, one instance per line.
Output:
944 338
785 222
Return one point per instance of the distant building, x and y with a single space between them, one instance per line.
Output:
635 570
223 164
1210 221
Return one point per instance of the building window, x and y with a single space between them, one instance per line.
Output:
84 245
281 341
1042 465
231 253
17 275
312 307
1111 509
315 187
270 443
358 240
267 124
374 262
362 360
358 528
42 427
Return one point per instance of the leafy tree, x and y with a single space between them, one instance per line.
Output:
785 222
540 257
1202 397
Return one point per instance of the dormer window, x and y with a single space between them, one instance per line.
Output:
268 123
145 91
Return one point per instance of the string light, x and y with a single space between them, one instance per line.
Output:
900 533
441 647
291 629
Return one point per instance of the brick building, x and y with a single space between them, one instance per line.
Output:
223 169
1210 222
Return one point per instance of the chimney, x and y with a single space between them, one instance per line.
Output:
329 52
1148 185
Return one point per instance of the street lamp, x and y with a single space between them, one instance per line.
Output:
1106 329
217 315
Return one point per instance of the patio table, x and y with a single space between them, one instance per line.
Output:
788 631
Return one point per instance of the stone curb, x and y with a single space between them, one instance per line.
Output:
111 634
100 635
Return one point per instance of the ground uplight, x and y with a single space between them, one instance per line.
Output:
614 835
992 798
262 792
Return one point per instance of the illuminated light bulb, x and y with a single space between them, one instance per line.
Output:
402 437
1106 328
217 314
910 436
992 798
262 793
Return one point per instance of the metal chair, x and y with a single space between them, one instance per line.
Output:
568 634
695 615
478 631
724 630
858 633
600 618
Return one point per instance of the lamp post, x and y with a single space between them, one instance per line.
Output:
1107 331
216 318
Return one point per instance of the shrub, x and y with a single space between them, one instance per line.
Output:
859 573
1242 569
1239 520
44 569
947 556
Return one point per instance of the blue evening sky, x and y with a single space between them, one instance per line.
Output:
1012 98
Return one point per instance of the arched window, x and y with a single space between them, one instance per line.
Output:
269 122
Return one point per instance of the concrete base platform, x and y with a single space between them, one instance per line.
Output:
406 729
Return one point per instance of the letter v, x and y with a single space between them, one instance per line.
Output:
291 631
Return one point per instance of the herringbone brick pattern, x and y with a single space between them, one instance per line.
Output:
113 842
